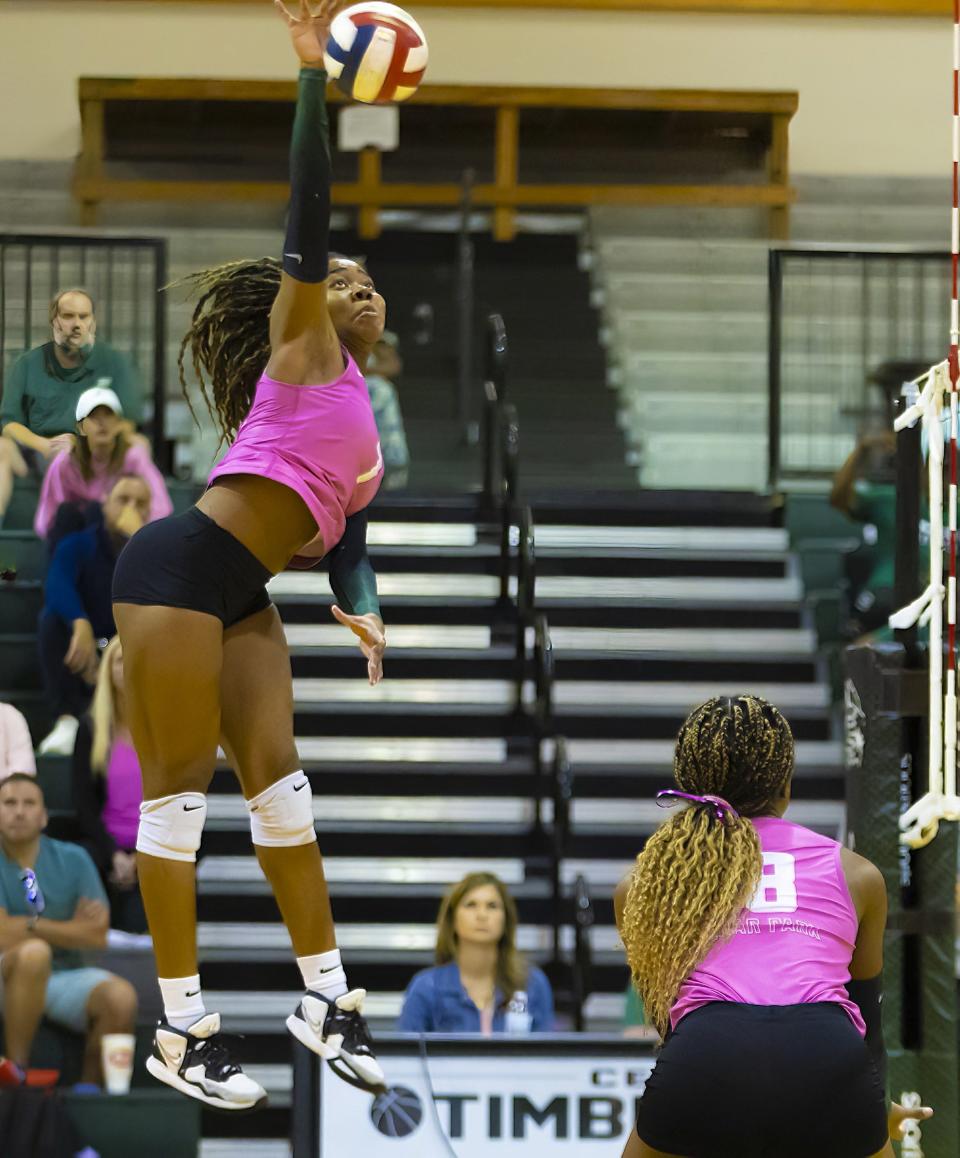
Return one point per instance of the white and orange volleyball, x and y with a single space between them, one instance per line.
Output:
376 53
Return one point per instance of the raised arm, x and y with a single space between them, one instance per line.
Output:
304 344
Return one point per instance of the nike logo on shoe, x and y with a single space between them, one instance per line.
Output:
298 257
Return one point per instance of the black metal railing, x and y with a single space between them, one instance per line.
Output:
846 327
583 920
543 667
495 398
562 794
123 274
466 298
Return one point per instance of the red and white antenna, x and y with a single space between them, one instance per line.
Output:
949 787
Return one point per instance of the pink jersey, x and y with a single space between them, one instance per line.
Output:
320 441
794 941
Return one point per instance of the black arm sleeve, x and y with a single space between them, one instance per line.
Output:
306 247
868 996
88 792
352 577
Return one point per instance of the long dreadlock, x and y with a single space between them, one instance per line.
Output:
229 337
695 874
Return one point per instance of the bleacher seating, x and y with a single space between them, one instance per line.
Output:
654 601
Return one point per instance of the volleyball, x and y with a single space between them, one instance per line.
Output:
377 53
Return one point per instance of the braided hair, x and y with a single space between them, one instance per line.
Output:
696 873
229 337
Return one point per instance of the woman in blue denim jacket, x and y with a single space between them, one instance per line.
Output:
479 971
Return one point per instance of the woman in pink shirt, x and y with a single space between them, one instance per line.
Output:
108 791
101 453
279 348
746 933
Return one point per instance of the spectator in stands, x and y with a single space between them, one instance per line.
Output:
43 387
85 474
42 942
77 609
864 490
108 790
16 747
480 981
384 367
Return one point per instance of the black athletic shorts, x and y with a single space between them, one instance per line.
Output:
189 561
755 1081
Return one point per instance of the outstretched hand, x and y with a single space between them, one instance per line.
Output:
900 1115
310 28
369 630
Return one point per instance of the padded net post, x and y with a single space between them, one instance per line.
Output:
887 700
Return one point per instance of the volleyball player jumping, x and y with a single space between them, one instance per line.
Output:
757 947
205 657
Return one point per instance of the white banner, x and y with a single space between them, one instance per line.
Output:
487 1105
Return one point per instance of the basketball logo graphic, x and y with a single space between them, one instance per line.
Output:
397 1113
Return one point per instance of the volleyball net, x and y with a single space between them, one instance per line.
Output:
901 756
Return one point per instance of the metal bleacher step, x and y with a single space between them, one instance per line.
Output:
641 817
402 637
242 874
265 1012
498 815
615 697
407 693
690 641
677 591
244 1147
411 942
700 541
371 875
813 757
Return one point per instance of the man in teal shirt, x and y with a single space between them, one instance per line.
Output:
44 931
41 391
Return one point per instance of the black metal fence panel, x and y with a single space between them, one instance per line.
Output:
847 328
124 275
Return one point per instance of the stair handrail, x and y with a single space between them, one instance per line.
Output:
495 393
543 674
526 577
497 351
508 429
583 920
562 787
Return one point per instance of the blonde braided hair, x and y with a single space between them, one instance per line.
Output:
696 873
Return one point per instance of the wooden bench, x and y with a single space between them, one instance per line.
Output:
136 131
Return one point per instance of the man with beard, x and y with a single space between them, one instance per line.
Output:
41 390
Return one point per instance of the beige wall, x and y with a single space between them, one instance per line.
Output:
874 93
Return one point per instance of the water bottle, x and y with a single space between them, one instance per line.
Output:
31 889
517 1018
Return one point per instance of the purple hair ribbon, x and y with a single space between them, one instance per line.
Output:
722 809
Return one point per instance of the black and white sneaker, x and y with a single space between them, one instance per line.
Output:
337 1030
197 1062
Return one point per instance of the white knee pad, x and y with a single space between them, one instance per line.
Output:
171 827
282 815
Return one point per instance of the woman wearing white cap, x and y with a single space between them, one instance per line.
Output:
101 453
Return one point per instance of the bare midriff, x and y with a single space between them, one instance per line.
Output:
270 519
